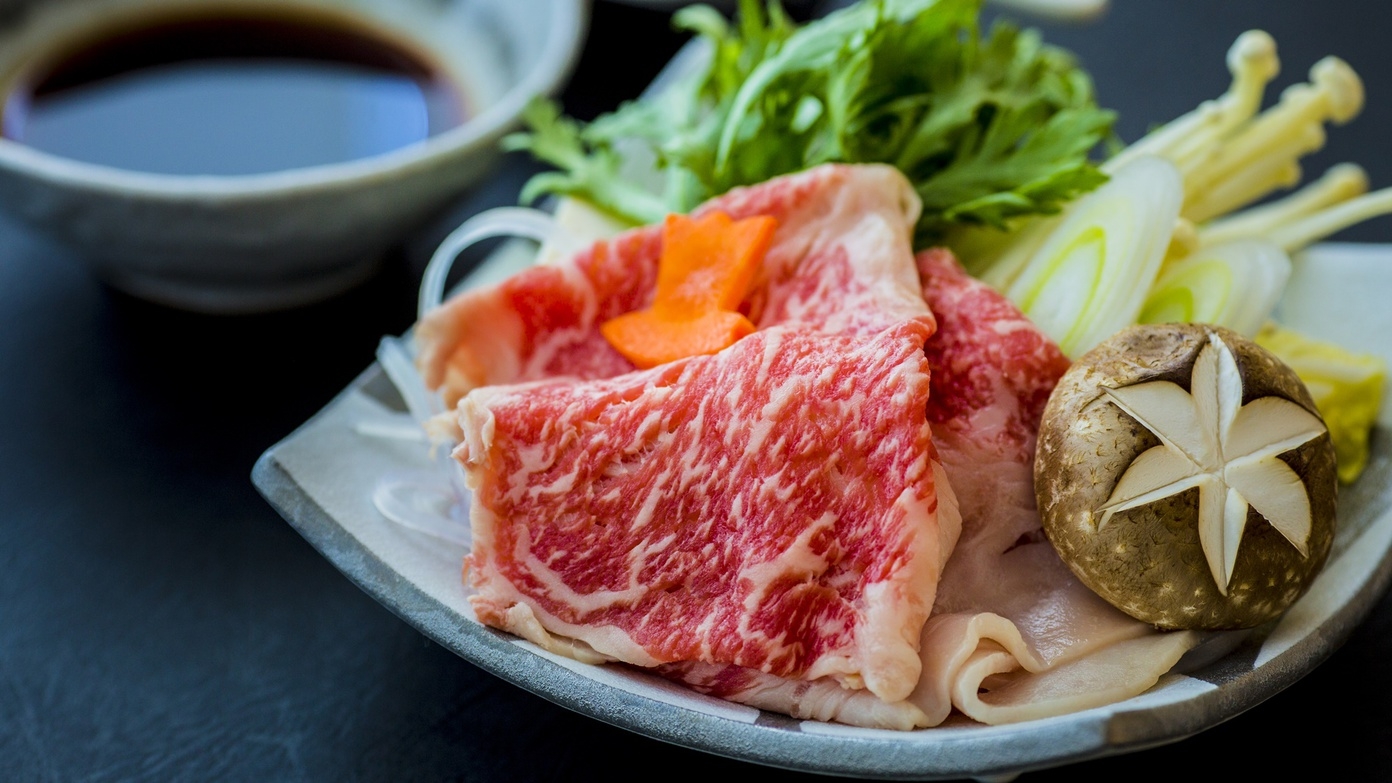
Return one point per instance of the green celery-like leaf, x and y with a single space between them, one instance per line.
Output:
587 171
988 128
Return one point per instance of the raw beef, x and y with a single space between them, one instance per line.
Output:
1014 635
992 372
773 508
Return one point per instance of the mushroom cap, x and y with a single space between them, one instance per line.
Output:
1148 560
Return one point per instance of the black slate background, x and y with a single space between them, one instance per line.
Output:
159 621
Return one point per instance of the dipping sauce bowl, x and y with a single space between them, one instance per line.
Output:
234 156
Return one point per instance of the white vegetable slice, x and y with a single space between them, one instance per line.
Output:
1234 284
498 222
1090 276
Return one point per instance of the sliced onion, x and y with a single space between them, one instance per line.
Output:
500 222
395 358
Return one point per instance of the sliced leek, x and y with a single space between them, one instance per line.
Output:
1234 284
1090 276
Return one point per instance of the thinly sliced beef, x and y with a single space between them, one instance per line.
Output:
838 264
770 524
773 508
1014 635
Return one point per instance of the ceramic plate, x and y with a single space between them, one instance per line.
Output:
324 476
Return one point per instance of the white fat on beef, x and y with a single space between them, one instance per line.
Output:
774 508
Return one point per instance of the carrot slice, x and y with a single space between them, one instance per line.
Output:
648 340
706 268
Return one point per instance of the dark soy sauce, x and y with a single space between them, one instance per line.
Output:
233 94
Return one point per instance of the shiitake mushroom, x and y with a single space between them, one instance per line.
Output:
1184 474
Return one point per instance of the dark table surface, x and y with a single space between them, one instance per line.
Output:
159 620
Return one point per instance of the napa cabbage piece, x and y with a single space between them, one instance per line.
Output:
1347 387
989 126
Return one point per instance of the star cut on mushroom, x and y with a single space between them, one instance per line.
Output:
1229 451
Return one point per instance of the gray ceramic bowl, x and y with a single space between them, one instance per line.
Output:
244 243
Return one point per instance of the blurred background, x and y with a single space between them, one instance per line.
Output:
159 621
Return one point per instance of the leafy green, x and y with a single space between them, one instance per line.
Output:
988 128
592 170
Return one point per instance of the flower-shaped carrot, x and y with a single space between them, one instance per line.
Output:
706 268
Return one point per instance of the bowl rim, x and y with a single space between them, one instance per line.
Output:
560 51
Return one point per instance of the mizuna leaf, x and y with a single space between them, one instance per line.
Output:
988 128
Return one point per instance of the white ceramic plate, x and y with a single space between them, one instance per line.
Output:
322 478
